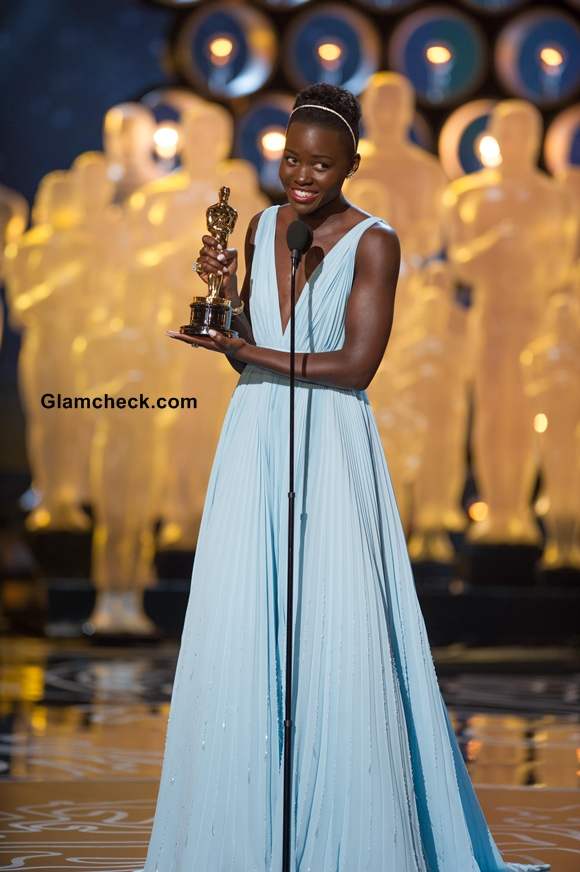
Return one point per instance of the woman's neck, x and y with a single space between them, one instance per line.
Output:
316 220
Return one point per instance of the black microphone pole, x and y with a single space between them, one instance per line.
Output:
299 238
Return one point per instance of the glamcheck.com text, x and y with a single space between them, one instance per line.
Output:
106 401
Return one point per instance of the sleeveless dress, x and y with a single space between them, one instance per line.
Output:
379 783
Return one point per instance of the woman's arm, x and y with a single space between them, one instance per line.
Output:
244 320
368 322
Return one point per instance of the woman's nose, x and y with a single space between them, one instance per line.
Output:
303 175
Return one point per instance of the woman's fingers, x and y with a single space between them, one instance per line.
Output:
212 245
215 342
229 255
214 258
210 264
195 341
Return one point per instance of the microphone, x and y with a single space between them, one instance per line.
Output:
299 240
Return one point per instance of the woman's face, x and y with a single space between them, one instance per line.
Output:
314 165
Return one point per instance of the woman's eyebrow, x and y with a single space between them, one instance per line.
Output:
327 156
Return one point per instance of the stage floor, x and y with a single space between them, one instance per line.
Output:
82 732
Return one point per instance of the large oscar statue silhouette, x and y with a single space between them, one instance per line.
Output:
169 219
120 352
43 272
404 184
128 144
128 359
100 286
440 345
511 233
551 371
95 282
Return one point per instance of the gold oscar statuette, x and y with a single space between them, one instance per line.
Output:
214 312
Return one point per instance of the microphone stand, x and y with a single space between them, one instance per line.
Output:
295 255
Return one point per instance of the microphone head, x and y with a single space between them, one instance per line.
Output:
299 236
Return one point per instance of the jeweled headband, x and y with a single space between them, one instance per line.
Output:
326 109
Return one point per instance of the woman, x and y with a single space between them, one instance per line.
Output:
379 784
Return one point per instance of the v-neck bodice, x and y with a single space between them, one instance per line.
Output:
320 307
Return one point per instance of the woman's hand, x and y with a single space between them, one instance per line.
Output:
214 258
215 342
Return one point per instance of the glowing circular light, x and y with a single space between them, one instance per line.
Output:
227 49
538 56
166 140
562 142
540 422
488 149
551 56
221 49
441 51
477 510
331 43
438 54
261 136
329 53
463 141
272 142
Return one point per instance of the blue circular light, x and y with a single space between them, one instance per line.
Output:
460 136
526 56
227 50
353 36
444 30
269 112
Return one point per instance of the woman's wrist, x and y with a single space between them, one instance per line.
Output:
230 290
244 353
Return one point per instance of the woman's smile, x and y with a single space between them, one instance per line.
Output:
302 195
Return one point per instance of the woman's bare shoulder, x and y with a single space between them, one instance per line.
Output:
380 238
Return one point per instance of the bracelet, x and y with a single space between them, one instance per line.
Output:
238 309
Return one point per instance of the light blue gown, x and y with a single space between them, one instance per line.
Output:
379 784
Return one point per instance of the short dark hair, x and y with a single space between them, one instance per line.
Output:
333 97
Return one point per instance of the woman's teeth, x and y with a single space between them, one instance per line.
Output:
303 196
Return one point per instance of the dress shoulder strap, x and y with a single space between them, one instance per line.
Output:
264 223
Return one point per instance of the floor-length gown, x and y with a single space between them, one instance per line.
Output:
379 784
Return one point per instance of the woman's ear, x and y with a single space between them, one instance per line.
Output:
355 165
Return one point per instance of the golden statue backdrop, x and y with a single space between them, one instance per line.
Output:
105 268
